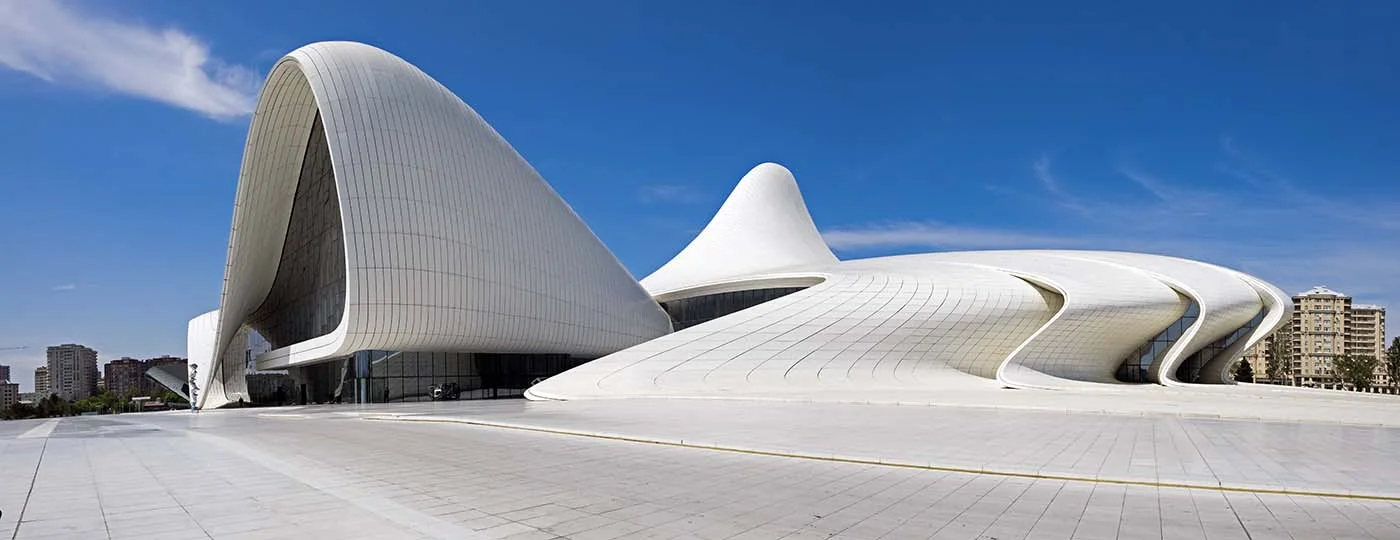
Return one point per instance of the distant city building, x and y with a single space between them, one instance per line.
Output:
124 377
129 377
170 364
1366 337
1326 325
42 385
9 394
167 359
72 371
4 373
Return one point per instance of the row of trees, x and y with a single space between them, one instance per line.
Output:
1359 371
104 403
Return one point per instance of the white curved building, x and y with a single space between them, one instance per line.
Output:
763 310
377 211
385 239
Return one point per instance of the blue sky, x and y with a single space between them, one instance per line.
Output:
1259 136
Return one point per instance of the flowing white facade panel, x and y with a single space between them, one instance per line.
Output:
199 350
1226 302
1279 312
873 326
762 227
376 210
905 328
1109 310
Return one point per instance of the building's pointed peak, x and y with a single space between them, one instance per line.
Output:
763 226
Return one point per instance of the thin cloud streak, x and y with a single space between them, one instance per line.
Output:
1263 224
63 45
1043 174
669 193
65 287
938 235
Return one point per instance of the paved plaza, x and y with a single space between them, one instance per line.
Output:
696 469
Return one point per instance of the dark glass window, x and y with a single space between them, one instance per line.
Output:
1190 370
1137 367
307 297
382 376
687 312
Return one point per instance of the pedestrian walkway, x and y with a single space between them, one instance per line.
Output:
347 472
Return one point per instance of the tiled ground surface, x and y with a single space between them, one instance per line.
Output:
1171 449
326 473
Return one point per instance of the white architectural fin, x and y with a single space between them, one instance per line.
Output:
762 226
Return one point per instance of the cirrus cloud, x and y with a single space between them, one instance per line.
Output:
61 44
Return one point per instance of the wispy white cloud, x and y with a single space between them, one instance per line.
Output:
1256 220
62 44
669 193
930 234
65 287
1042 170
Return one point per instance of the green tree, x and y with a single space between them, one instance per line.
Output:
1392 363
1278 358
87 404
1358 371
53 407
1244 372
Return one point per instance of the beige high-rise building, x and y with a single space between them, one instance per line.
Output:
1319 334
41 382
1257 356
1326 325
72 371
1366 337
9 394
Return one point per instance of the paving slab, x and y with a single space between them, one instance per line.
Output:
331 472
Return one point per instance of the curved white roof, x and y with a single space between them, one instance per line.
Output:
905 328
766 200
376 210
451 241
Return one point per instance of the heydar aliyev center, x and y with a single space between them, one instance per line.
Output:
386 239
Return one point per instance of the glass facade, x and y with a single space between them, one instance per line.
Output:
1137 367
687 312
391 376
307 297
1190 370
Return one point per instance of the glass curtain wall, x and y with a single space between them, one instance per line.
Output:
378 376
687 312
1137 367
307 298
1190 370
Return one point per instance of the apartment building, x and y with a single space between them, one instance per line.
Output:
1326 325
127 376
42 387
9 394
124 377
73 371
1366 337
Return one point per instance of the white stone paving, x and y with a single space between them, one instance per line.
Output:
320 472
1303 457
